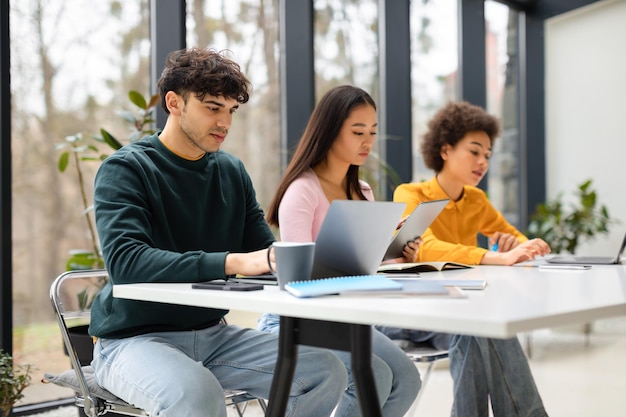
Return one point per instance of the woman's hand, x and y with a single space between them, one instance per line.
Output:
503 241
526 251
410 250
402 221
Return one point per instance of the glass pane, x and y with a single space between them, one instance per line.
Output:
346 52
249 30
72 65
346 44
502 101
434 63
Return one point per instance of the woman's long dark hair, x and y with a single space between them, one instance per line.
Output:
321 132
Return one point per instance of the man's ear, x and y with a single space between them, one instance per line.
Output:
173 102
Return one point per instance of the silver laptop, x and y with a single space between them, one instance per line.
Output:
354 237
415 225
581 259
352 240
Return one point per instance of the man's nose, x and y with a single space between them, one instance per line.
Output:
224 121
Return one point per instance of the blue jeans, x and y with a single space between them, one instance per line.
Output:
183 373
396 376
483 369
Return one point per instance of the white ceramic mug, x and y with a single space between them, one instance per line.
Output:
294 261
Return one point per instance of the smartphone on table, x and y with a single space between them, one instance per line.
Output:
226 286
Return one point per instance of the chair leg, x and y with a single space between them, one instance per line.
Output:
412 411
528 337
262 404
424 381
242 410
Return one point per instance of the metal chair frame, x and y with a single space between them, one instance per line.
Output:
423 353
74 307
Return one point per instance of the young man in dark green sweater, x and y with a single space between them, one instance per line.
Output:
173 207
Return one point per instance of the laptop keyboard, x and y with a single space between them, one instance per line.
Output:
582 259
595 259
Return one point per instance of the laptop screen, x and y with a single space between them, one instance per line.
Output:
354 237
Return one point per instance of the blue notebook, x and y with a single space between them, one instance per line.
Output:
327 286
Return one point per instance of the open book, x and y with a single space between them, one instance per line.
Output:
410 267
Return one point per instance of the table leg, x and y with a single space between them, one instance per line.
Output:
361 349
285 368
355 338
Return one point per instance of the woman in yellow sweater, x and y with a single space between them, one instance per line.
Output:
457 147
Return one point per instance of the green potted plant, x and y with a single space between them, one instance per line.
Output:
77 150
13 380
564 226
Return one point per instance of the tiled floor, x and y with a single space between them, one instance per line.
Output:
575 379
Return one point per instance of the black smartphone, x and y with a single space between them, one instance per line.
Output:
226 286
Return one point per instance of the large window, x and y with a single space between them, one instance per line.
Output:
346 45
249 30
434 63
503 101
72 65
346 52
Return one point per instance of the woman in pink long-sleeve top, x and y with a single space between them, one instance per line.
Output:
325 167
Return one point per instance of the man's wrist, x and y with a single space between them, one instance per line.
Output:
231 264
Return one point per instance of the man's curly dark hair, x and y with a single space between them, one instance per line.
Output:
203 71
450 124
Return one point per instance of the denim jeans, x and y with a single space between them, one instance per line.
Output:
178 374
396 376
483 369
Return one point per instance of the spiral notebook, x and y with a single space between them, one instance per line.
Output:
337 285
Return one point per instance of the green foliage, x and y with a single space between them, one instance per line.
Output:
79 148
370 171
564 227
13 380
82 260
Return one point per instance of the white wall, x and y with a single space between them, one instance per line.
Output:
586 108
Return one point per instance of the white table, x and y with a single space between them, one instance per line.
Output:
517 299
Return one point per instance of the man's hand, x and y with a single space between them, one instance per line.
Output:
251 263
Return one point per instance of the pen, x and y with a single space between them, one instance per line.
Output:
495 247
555 266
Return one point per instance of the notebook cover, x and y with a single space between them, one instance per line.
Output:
327 286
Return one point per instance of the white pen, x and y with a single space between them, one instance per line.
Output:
558 266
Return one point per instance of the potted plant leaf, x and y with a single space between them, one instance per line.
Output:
564 226
79 149
13 380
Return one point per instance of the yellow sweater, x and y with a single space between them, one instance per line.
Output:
453 236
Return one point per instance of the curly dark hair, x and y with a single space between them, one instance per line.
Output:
203 71
450 124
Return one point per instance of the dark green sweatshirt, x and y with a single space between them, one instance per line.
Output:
161 218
